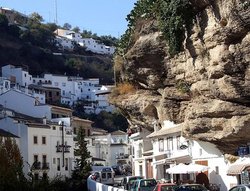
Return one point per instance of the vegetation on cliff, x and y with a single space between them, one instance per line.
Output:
173 17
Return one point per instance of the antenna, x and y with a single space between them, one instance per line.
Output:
56 11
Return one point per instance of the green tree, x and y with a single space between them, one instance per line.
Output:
67 26
76 29
3 22
83 166
11 166
36 17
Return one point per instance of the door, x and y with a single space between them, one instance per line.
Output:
149 169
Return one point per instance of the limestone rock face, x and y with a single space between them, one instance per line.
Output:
206 86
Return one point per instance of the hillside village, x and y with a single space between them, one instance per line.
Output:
46 133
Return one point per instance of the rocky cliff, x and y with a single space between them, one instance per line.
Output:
206 86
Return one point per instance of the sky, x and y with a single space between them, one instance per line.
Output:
103 17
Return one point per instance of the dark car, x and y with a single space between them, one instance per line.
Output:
128 181
117 169
191 187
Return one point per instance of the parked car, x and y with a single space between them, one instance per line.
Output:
96 176
191 187
144 185
128 181
241 187
117 169
165 187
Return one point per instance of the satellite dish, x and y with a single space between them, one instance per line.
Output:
182 147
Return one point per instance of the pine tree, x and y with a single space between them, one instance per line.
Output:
83 167
11 166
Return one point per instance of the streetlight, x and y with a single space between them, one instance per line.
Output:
62 145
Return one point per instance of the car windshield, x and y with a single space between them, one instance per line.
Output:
191 188
148 183
132 180
168 187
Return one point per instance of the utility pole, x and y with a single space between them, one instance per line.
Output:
62 145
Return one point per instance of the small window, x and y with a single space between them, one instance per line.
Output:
74 130
54 127
36 175
44 140
35 140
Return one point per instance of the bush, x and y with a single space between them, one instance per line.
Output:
125 88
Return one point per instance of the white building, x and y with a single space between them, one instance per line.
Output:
41 145
111 147
141 148
65 36
4 85
171 148
72 88
17 75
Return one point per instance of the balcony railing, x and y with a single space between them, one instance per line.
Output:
122 156
45 165
36 165
40 166
59 148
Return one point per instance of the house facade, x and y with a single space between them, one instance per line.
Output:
14 17
52 88
113 147
142 150
41 145
170 148
66 38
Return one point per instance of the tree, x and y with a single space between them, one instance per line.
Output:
11 166
67 26
83 168
76 29
36 17
3 22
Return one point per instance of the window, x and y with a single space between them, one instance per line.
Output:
36 175
54 127
35 158
161 145
63 84
66 164
44 176
44 140
58 164
170 143
74 130
35 140
178 142
140 170
54 160
217 170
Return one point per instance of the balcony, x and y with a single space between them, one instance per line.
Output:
45 166
60 148
36 166
40 166
122 156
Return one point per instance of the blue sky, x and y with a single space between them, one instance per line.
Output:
104 17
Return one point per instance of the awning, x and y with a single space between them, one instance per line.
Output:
237 169
190 168
179 159
238 166
159 162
